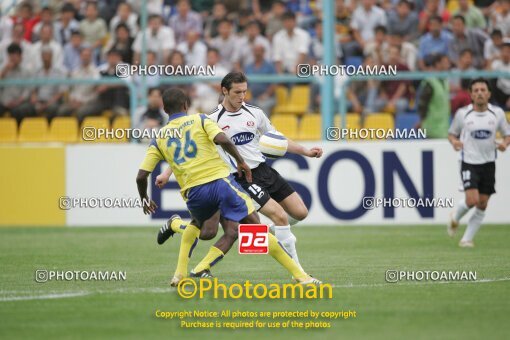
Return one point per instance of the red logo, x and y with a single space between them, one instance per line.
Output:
250 123
225 128
253 239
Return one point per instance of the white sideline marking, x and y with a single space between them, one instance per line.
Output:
43 297
170 289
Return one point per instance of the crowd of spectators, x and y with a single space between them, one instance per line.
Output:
86 39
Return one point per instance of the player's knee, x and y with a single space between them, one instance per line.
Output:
231 234
206 235
481 205
472 201
279 217
301 214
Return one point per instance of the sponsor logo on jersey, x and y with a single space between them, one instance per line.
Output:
481 134
225 128
242 138
250 123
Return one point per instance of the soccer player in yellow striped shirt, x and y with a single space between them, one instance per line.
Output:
206 185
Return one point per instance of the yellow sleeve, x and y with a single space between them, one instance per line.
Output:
152 157
210 127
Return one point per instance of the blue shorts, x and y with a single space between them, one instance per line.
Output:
223 194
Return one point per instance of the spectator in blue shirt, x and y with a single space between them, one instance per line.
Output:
436 41
262 93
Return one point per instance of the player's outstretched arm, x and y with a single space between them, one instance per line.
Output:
222 140
149 206
163 178
294 147
455 142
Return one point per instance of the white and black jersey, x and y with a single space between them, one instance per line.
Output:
244 128
477 132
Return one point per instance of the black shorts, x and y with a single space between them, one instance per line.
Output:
479 176
267 183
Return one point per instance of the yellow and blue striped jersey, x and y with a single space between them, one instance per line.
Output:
189 149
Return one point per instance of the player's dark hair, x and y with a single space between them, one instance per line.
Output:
152 89
115 51
434 59
496 33
436 18
91 3
224 20
213 49
14 49
254 23
124 26
464 51
154 16
175 100
67 8
289 15
405 2
459 17
479 80
233 78
380 28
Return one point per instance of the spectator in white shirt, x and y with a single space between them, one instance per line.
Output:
17 36
127 16
408 52
365 19
48 41
46 16
46 98
194 49
290 45
6 25
492 46
501 91
501 18
205 94
159 39
244 54
227 43
81 94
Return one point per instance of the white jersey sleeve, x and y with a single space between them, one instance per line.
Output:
264 125
458 122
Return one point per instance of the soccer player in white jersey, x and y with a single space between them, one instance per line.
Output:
273 196
473 132
244 124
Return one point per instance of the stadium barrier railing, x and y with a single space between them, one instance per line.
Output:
326 119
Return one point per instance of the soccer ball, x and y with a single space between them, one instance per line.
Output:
273 144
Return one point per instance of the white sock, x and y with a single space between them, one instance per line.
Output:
288 240
462 210
271 228
292 220
474 224
282 232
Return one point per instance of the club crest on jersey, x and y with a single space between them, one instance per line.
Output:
242 138
481 134
250 123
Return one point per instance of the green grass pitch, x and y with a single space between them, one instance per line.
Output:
353 259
